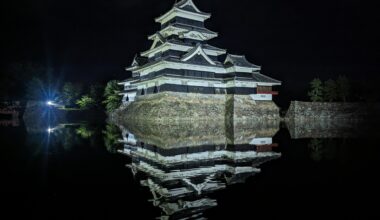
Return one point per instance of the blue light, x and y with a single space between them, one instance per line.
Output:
50 103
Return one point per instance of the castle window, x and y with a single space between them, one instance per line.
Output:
155 90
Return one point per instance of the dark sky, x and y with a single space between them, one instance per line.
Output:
293 41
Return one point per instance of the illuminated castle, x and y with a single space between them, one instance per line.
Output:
180 60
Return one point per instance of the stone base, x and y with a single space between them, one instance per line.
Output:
332 119
332 111
173 106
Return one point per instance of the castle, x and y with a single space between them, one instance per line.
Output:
181 61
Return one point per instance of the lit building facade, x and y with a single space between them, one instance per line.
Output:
181 60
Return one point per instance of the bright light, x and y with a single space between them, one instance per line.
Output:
50 103
50 130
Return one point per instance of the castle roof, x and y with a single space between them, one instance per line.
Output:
180 49
188 5
263 78
238 60
185 9
198 50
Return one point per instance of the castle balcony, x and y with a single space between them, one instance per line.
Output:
268 92
266 147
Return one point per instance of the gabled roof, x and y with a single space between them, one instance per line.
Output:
239 60
186 9
134 62
197 51
157 37
188 5
137 62
141 60
195 35
179 28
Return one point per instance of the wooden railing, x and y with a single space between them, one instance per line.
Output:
268 92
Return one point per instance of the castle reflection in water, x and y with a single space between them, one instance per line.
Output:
182 169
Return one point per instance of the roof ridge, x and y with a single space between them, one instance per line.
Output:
259 73
181 4
192 50
236 55
239 60
191 53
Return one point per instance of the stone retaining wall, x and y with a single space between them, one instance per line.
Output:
329 120
173 106
330 110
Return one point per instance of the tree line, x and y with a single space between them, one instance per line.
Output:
76 95
330 90
33 81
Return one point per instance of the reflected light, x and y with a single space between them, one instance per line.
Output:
49 103
50 130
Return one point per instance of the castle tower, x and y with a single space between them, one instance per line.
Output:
181 60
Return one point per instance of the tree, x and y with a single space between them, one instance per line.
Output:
111 136
343 88
71 93
86 102
96 93
111 95
316 92
330 90
35 89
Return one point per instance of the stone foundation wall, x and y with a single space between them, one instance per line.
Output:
331 110
173 106
245 108
330 120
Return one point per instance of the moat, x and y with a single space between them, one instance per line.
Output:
189 170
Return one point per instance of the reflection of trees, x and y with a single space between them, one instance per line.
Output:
66 137
111 135
63 138
69 138
316 149
85 131
324 149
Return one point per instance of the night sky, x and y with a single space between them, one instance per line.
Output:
293 41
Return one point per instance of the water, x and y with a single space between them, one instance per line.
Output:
191 170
